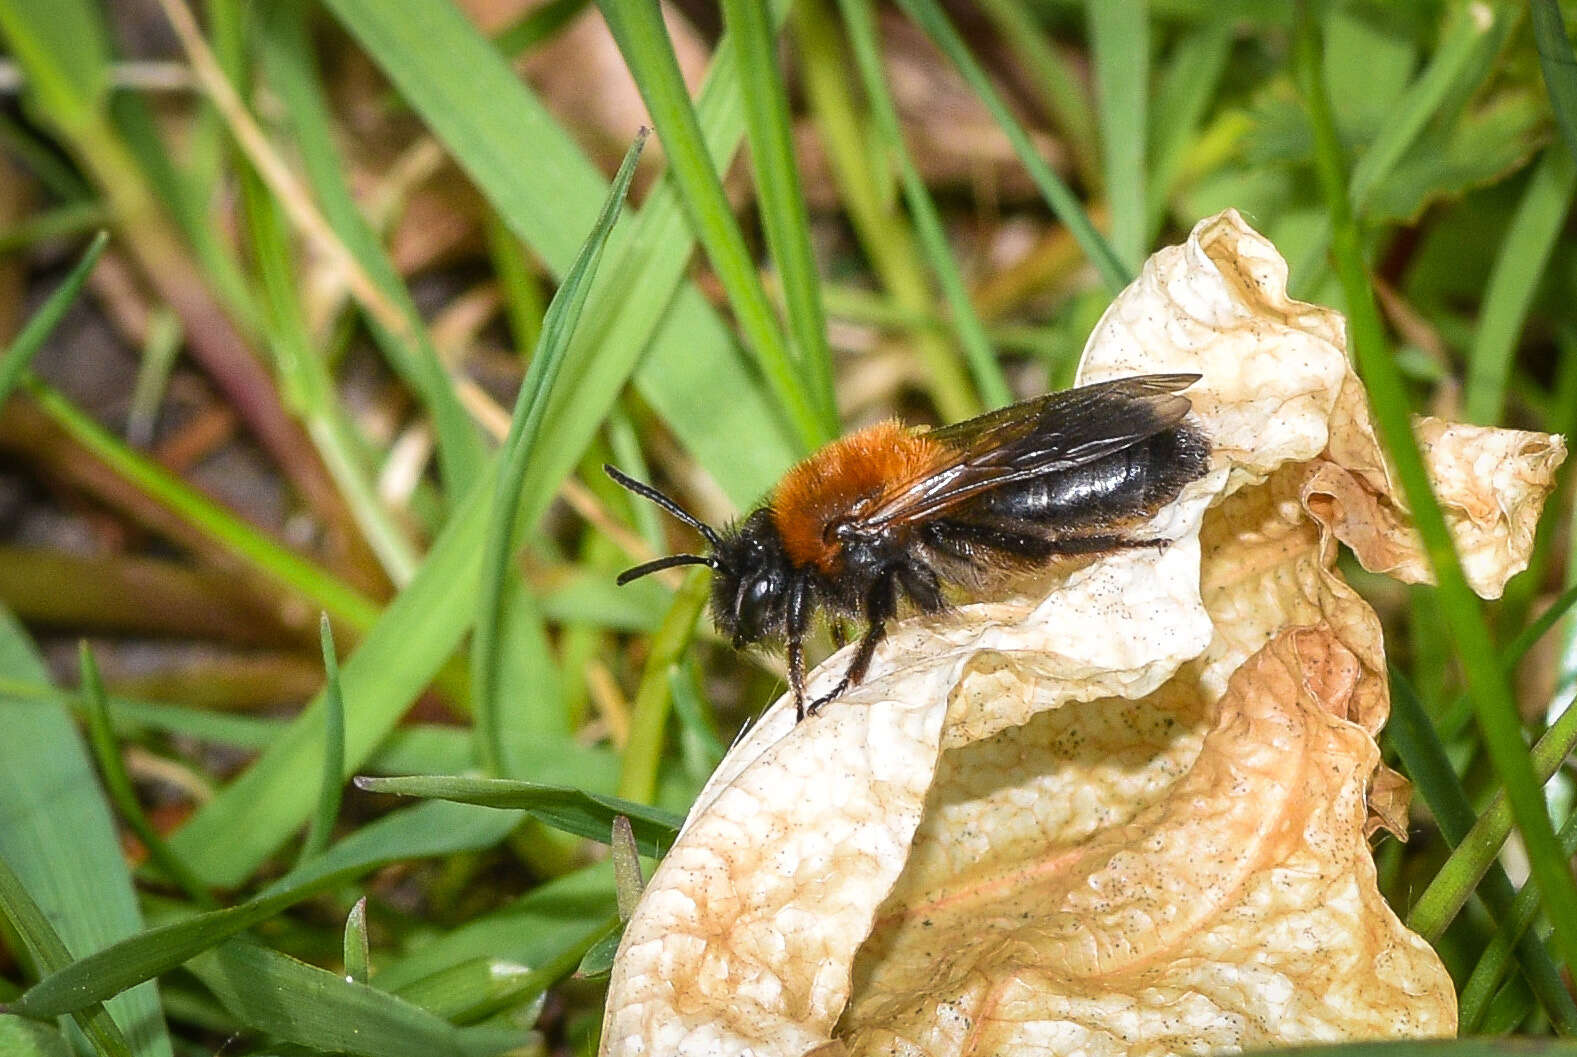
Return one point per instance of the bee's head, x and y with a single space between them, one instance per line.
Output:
750 588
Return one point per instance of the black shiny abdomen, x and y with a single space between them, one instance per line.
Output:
1135 481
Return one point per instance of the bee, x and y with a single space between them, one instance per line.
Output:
891 514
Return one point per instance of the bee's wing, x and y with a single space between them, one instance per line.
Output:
1055 432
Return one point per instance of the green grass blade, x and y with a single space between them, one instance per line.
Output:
1463 55
308 387
983 365
1484 981
568 912
332 779
1061 86
1424 758
422 832
865 190
519 446
1475 853
358 955
1559 66
693 373
300 1003
274 561
538 25
286 53
1120 42
49 953
643 752
58 842
1521 261
43 322
574 811
250 818
642 36
1463 59
1460 712
118 783
1492 699
65 51
628 884
30 1038
781 202
1187 87
1066 206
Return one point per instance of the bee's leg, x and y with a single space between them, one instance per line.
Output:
840 634
1097 544
880 604
798 620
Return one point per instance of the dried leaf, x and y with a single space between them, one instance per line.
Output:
1126 808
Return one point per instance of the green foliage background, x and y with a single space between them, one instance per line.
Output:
1413 162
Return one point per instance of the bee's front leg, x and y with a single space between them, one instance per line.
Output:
880 604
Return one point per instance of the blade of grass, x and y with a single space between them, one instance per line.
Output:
160 347
42 323
1559 67
118 783
1484 981
537 26
1462 60
489 125
426 831
1189 83
58 847
1063 92
928 14
309 388
517 282
1520 263
649 719
357 954
1460 712
286 55
781 202
524 433
884 233
531 930
332 781
1475 853
642 36
693 373
60 49
273 993
576 811
1493 703
983 366
1120 43
1424 757
49 953
249 544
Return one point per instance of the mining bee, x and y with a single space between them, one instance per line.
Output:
892 514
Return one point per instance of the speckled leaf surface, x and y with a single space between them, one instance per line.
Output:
1125 809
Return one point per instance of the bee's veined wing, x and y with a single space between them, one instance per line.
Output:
1058 431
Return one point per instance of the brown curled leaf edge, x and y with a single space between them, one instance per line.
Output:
1127 810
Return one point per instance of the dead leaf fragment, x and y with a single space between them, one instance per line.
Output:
1125 810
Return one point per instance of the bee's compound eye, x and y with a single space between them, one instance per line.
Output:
756 602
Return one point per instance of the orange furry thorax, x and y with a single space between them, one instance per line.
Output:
839 480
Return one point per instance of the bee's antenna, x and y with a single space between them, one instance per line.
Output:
648 492
664 563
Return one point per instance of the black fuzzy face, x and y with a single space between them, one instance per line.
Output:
750 588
